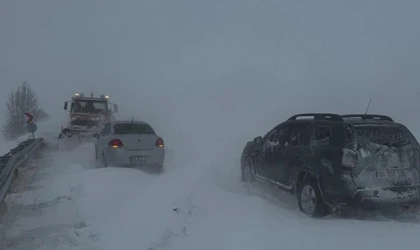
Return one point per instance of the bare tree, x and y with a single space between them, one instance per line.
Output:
20 101
40 115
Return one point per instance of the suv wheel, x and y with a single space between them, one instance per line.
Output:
310 199
247 174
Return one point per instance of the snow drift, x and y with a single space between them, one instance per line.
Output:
194 206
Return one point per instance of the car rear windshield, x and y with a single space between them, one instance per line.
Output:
390 136
133 128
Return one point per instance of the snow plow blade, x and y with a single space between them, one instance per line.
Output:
71 138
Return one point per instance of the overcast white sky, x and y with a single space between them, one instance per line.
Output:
239 66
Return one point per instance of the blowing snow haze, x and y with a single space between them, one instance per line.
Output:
208 76
230 68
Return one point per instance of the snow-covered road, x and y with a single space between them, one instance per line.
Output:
77 206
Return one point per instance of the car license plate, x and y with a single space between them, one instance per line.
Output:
138 158
390 173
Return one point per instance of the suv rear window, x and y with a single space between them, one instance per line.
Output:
133 128
390 136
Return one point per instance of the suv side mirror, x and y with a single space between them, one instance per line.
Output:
65 105
258 140
115 108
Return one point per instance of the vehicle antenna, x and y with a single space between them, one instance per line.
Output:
368 106
132 119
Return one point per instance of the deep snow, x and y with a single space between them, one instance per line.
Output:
72 205
6 145
208 75
45 129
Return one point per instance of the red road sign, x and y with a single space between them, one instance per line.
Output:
30 117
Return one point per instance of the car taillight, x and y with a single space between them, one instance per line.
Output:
116 143
159 143
349 158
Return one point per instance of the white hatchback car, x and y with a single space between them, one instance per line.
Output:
129 144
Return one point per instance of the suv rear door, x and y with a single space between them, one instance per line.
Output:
387 155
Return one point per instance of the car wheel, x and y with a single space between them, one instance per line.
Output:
310 199
247 173
159 168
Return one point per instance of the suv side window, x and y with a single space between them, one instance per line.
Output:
299 135
322 134
273 138
106 130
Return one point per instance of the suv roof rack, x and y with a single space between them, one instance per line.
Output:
319 116
369 117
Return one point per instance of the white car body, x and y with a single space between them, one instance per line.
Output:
129 143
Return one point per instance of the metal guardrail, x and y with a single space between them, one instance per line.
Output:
13 160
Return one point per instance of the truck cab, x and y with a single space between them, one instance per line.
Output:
88 114
90 105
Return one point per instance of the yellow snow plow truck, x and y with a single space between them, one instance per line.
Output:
88 115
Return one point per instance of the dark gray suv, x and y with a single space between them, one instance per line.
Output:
331 161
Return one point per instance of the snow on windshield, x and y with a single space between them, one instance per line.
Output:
90 107
136 128
388 136
384 146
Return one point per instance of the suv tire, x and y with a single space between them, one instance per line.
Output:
310 199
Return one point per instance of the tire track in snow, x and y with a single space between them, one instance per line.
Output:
180 225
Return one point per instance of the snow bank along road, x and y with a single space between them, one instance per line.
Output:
70 204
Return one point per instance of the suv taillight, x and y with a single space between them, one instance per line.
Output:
116 143
349 158
159 143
